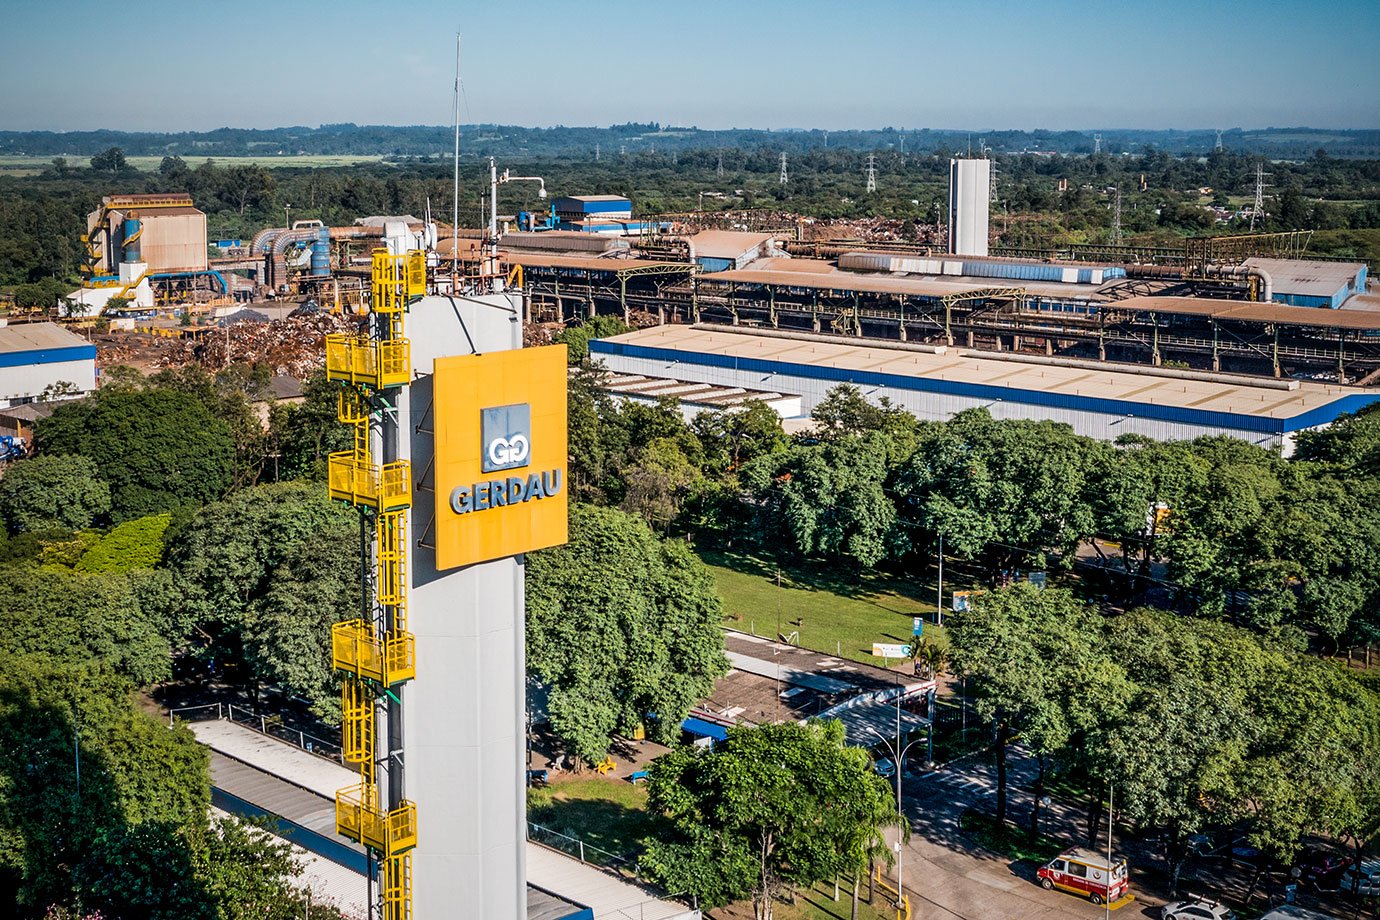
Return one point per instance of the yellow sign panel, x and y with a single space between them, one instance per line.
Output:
501 451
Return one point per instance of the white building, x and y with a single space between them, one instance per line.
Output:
36 356
1102 400
970 191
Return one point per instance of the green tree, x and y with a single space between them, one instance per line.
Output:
133 545
79 617
265 573
303 435
773 805
1040 669
623 628
157 449
576 337
103 808
111 160
42 493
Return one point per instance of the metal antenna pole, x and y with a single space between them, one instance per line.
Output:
1116 217
455 198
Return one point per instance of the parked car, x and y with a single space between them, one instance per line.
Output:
1196 909
885 767
1086 872
1363 879
1321 868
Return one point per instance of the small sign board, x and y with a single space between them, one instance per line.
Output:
962 600
890 650
1038 579
917 626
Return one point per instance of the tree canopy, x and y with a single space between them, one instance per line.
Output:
772 805
46 492
623 627
157 449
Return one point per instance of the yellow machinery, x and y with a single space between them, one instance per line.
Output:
376 652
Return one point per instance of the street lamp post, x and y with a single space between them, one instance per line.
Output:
898 754
287 216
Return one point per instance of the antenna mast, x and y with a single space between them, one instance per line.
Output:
1258 208
455 200
1116 217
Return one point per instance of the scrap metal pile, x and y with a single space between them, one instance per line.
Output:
293 346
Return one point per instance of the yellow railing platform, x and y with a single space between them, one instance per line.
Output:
357 818
359 482
355 649
360 359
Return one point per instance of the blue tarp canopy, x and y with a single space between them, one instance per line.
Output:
705 729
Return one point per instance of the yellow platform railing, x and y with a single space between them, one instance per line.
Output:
356 723
355 649
359 482
358 818
360 359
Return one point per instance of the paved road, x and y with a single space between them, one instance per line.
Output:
950 879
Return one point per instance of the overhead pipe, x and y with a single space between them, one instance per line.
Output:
1267 284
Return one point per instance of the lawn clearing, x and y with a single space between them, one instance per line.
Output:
838 614
608 815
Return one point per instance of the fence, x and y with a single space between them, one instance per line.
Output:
271 725
586 853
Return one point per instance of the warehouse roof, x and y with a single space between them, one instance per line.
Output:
38 337
1123 388
596 197
726 244
1285 315
588 263
695 394
847 281
1303 276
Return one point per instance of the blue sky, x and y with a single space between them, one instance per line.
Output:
977 64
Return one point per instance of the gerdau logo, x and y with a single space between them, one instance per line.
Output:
506 435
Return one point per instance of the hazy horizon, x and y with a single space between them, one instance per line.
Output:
1052 65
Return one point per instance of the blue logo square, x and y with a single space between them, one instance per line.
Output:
506 433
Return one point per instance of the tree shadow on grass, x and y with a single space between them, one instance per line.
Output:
612 827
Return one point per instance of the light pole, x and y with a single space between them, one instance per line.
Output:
287 217
898 755
939 608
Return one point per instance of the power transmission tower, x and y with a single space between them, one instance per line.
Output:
1097 144
1116 216
784 175
721 164
622 150
1219 140
596 151
871 173
1258 208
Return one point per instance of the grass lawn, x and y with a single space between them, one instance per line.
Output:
838 614
610 814
816 903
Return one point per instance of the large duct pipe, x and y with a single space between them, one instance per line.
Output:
1267 284
321 253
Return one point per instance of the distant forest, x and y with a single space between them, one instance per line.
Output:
512 140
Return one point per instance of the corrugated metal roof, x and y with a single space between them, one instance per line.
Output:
590 263
726 244
37 337
596 198
1303 276
1125 383
1321 317
847 281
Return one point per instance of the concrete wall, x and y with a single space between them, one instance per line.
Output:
463 741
